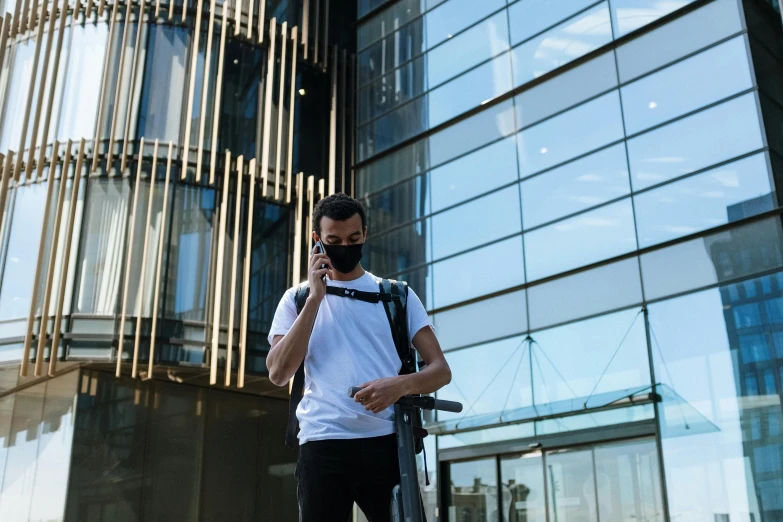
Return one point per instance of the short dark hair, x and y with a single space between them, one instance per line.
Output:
339 207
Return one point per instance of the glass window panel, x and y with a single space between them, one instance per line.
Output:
472 133
691 32
529 17
455 15
628 479
365 6
574 497
189 254
387 20
391 52
685 86
469 90
459 180
609 287
385 171
587 238
576 186
392 89
695 142
400 249
523 491
566 90
568 361
420 280
393 127
695 352
164 87
399 204
700 202
20 73
563 44
466 325
629 15
122 58
580 130
473 494
498 369
713 259
481 42
501 264
268 264
21 257
85 57
103 247
476 222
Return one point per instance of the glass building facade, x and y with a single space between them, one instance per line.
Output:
585 194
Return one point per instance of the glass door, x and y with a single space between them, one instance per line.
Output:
612 482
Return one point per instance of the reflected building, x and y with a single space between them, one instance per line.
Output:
584 193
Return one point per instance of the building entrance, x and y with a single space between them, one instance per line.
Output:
602 482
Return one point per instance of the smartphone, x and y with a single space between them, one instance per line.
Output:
319 248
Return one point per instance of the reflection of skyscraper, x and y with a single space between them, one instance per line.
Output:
753 311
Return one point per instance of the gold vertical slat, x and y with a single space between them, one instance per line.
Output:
297 268
88 11
171 11
159 262
185 13
145 251
191 89
58 318
118 90
157 9
205 92
305 27
233 287
132 87
102 5
291 106
237 16
42 88
333 127
316 36
261 21
246 275
343 65
280 100
44 324
5 27
326 34
270 74
4 188
29 106
311 204
250 18
219 267
30 14
321 189
50 100
28 337
218 94
22 18
15 18
129 262
104 80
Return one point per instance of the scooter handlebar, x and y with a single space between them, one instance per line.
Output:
423 402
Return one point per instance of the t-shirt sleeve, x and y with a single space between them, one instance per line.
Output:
285 315
417 315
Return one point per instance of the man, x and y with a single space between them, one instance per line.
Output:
347 449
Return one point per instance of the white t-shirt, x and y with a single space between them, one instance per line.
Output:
351 344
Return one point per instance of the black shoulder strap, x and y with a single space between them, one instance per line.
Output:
397 314
297 387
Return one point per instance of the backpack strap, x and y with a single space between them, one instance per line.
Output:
397 314
297 387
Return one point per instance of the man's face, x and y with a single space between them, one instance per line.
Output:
348 232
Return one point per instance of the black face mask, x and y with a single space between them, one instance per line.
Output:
344 257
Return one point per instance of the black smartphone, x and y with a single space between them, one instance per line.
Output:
319 248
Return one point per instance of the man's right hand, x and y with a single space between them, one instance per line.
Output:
315 276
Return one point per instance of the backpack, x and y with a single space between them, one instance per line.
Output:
394 296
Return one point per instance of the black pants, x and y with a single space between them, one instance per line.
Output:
333 474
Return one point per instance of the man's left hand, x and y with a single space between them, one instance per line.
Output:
379 394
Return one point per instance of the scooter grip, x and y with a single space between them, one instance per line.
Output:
353 391
452 406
